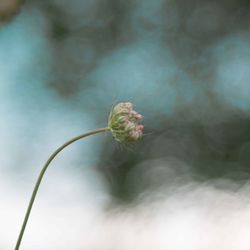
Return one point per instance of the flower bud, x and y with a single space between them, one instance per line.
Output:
124 123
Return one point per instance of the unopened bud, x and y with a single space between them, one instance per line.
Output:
124 123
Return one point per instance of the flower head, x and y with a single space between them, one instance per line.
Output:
124 123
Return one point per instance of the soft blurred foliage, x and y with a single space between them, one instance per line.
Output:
183 63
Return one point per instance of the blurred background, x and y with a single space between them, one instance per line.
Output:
185 64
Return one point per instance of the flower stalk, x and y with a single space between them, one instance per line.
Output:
38 182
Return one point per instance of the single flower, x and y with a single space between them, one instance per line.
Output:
125 123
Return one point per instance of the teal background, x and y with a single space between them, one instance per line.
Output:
64 64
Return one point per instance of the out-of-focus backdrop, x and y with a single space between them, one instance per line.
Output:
185 64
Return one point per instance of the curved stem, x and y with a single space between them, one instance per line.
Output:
41 176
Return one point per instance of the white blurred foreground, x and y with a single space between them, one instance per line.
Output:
195 217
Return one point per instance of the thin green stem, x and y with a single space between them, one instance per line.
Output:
42 174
